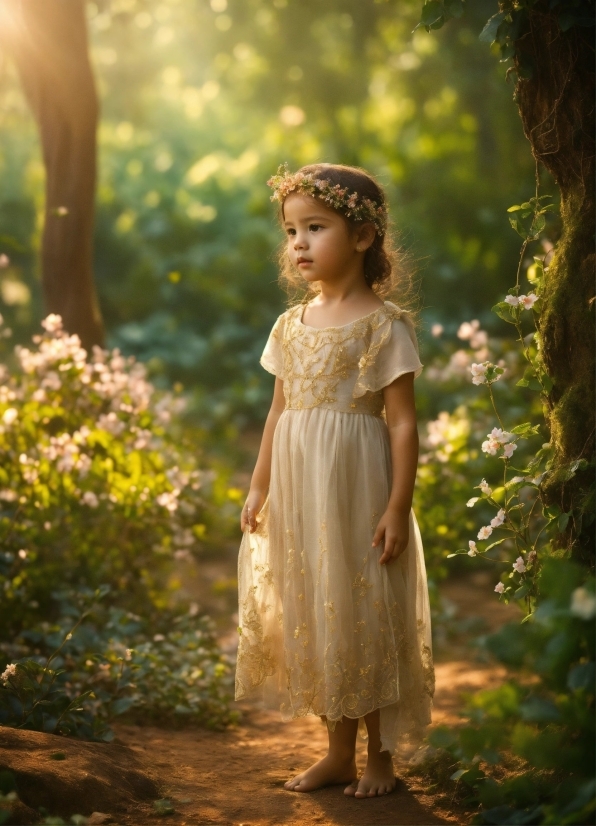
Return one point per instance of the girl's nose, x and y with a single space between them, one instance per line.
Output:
299 242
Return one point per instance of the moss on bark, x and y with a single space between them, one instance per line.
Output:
556 106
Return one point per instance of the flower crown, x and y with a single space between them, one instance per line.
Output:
337 197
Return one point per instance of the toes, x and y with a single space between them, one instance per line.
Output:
350 790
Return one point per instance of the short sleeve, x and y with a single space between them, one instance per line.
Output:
272 358
393 351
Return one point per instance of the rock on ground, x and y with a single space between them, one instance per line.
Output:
68 776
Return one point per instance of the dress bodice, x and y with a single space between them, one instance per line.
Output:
341 368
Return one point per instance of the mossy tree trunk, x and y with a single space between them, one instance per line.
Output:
556 106
48 41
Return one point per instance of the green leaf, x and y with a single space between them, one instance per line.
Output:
581 678
489 32
498 542
507 51
539 223
432 12
522 591
121 705
514 208
442 738
504 311
521 429
563 521
459 773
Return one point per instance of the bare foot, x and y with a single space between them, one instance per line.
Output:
378 778
327 772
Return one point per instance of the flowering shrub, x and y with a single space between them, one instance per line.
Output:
76 680
97 498
548 725
92 488
549 722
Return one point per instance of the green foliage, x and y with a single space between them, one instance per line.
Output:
199 108
97 497
508 25
77 680
94 488
548 724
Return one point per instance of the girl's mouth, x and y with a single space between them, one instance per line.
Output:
303 261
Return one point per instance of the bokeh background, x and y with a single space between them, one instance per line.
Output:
122 474
200 102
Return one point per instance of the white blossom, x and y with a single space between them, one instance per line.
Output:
9 671
4 262
499 588
52 323
169 500
528 301
513 300
498 519
436 330
10 415
508 450
496 439
519 565
111 423
473 549
467 329
484 487
23 554
471 502
478 373
485 532
89 498
583 603
8 495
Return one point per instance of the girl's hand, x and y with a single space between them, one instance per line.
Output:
394 529
252 506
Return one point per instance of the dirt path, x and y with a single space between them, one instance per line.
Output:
236 778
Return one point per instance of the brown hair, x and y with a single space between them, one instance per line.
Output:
388 268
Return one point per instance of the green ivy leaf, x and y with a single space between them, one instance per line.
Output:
563 521
522 591
504 311
432 12
489 32
498 542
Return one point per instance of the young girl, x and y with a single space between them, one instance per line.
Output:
334 616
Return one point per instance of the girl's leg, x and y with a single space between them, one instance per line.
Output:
378 777
338 766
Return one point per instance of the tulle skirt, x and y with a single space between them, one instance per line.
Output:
324 628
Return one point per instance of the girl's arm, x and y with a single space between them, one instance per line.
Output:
400 410
259 484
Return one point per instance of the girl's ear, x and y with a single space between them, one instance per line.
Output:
365 236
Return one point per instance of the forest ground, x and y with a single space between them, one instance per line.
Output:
236 778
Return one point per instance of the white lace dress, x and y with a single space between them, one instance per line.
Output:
324 628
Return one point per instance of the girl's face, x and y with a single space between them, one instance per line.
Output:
321 244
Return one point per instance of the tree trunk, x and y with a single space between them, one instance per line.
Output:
556 105
48 40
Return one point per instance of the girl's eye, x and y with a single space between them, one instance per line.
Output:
291 231
315 227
